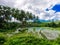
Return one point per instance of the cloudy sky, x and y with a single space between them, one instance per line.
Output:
45 9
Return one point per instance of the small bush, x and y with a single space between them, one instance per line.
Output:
2 39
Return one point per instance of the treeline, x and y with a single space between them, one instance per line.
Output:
44 24
53 24
6 14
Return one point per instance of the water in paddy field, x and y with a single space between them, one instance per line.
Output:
39 28
35 28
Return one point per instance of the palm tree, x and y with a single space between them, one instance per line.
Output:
20 15
17 12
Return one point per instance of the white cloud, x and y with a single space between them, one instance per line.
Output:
10 3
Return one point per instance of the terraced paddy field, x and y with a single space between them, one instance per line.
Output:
41 37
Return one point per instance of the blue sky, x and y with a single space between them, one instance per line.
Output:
56 8
45 9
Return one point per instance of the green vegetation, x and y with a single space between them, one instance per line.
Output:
2 38
26 39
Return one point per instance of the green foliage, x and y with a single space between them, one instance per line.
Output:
53 24
9 25
22 30
28 40
31 40
2 39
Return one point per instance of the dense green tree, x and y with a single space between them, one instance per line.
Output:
6 13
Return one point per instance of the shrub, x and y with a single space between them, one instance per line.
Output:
2 39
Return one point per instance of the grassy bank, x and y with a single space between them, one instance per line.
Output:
26 39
